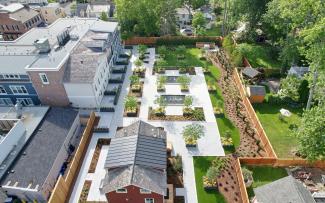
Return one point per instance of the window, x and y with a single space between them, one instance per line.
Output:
122 190
25 101
44 78
5 102
149 200
2 90
11 76
144 191
18 89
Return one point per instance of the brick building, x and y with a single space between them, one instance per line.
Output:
16 19
136 165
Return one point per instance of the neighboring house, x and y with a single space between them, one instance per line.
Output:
29 2
93 10
136 165
284 190
48 60
183 18
208 14
52 12
298 71
256 93
16 19
33 174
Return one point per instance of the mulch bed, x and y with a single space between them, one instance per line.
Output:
152 116
95 157
85 191
227 182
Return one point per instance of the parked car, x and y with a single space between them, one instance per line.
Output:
186 32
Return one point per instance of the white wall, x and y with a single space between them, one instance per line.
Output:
11 139
81 95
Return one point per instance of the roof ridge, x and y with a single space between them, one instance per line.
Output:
135 153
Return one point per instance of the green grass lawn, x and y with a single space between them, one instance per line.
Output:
201 165
278 131
191 57
263 175
260 55
215 30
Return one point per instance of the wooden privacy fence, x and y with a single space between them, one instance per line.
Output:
241 182
64 184
282 162
253 117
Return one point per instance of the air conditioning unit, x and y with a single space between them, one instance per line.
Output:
43 45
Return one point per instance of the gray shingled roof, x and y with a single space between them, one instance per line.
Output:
250 72
298 71
257 90
137 156
284 190
42 149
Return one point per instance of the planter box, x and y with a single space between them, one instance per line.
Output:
210 188
191 145
107 109
131 114
185 90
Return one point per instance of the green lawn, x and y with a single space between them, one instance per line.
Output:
215 30
278 131
263 175
260 55
201 165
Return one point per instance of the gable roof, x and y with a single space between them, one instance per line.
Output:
250 72
284 190
137 156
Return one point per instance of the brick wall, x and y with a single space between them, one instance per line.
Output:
54 93
133 195
5 20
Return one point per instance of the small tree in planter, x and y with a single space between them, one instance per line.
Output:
142 50
160 111
248 177
211 87
131 105
188 101
180 52
161 82
184 82
135 83
160 66
191 133
163 51
226 139
210 179
138 63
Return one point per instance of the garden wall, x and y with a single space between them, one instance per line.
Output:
65 184
171 40
253 117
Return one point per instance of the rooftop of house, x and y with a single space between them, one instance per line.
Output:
137 156
257 90
98 8
286 189
58 55
36 159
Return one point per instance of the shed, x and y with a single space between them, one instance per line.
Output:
250 72
256 93
298 71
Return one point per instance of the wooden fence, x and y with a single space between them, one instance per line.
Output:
65 184
253 117
241 182
153 40
282 162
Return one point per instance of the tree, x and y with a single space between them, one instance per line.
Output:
195 4
198 20
290 88
163 51
193 132
138 63
161 81
103 16
130 103
311 133
314 39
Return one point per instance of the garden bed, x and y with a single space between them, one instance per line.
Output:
85 191
182 70
136 93
132 114
96 154
152 116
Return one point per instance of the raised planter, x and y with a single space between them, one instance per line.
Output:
107 109
210 188
191 145
131 114
116 80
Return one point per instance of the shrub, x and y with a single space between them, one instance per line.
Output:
184 81
211 176
131 103
134 79
248 175
198 115
177 164
185 40
192 133
138 63
188 101
163 51
142 49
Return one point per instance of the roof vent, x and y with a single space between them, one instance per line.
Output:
43 45
74 37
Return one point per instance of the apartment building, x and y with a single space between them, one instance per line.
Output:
40 159
16 19
59 60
